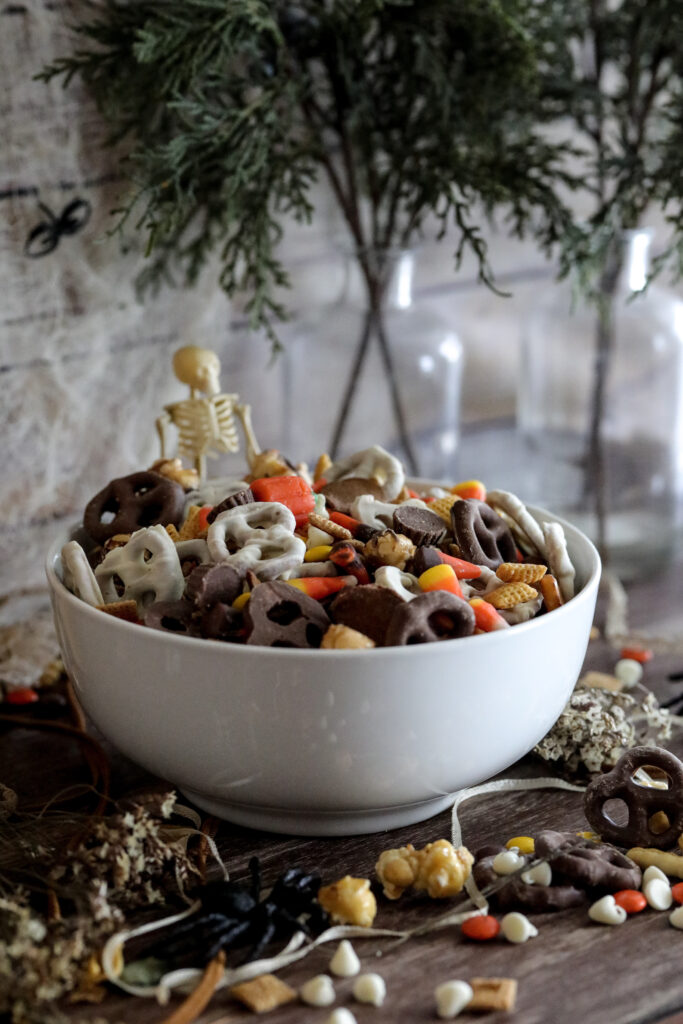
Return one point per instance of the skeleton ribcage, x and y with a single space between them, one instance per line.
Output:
205 423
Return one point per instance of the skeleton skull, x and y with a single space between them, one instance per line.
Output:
199 368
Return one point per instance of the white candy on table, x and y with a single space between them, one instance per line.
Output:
345 962
372 463
341 1016
507 862
541 874
451 998
370 988
517 928
658 894
629 672
607 911
78 575
318 991
264 534
147 565
651 873
676 918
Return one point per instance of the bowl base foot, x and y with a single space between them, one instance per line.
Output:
320 823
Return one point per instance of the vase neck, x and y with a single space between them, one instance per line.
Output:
627 263
386 277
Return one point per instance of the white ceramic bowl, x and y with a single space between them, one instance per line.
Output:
326 742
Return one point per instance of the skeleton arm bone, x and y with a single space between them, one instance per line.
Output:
163 422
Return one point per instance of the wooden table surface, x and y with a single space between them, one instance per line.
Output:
573 971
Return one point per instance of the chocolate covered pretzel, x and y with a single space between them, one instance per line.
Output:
133 502
587 865
642 801
279 615
480 533
438 615
516 894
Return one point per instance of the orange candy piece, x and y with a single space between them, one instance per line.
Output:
486 617
440 577
480 928
641 654
319 587
677 892
470 489
292 491
462 569
202 521
630 900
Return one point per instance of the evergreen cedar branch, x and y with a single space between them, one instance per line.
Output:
412 109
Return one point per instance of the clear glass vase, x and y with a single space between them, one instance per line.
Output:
600 410
376 366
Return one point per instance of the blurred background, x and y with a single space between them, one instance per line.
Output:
86 367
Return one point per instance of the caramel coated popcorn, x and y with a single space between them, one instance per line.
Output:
439 869
389 548
338 637
349 901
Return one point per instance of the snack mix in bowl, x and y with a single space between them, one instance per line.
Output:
353 557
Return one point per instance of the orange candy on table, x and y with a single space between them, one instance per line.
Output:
480 928
630 900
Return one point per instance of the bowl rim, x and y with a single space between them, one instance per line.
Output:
61 592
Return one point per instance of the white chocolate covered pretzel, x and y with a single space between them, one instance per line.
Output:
263 532
402 583
78 576
148 567
372 463
559 561
376 513
520 518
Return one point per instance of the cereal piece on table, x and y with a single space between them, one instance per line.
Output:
558 559
322 465
349 901
389 548
451 998
601 680
493 994
520 572
263 993
511 594
126 610
438 869
340 637
329 527
550 592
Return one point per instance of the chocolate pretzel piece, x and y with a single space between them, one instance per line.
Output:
516 894
585 864
135 501
482 536
642 801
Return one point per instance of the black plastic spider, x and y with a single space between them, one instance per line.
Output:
232 916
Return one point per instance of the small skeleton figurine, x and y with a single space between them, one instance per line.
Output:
205 421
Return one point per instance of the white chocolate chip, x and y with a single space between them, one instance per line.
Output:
658 894
629 672
341 1016
606 911
345 963
507 862
451 998
318 991
517 928
653 872
540 875
676 918
370 988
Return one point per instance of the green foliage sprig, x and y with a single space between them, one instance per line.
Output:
411 108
